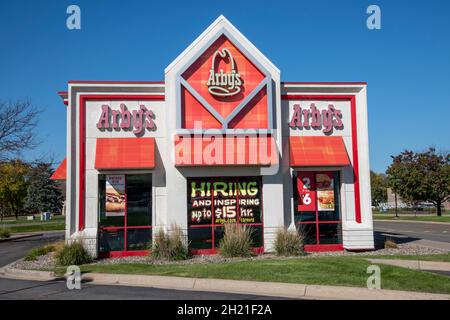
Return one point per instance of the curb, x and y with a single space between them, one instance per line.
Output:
21 237
410 221
269 289
34 275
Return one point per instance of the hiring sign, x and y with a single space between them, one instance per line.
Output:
233 200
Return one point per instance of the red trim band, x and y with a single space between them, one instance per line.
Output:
82 139
352 100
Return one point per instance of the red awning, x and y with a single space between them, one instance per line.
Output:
125 153
60 172
225 151
318 151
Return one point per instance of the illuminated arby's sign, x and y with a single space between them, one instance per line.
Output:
221 83
136 120
312 117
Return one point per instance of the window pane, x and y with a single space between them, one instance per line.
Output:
333 215
104 220
110 240
302 216
218 235
139 239
330 233
139 199
257 236
200 238
309 232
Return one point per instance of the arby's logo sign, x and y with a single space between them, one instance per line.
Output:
224 84
325 119
135 120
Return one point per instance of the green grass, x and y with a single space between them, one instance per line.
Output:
37 227
343 271
34 253
23 220
381 216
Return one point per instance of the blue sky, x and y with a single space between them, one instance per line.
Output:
406 63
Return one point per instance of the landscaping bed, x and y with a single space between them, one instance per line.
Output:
48 261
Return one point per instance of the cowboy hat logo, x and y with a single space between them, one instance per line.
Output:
220 83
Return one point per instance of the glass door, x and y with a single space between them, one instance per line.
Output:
125 214
317 209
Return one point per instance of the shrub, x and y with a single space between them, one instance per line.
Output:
5 233
170 246
73 254
33 254
390 244
236 241
289 242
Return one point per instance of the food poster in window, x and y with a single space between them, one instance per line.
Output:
115 196
325 191
306 188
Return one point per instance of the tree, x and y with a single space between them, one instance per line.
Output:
43 193
421 176
378 188
13 185
18 122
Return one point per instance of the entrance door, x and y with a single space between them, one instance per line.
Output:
317 209
125 214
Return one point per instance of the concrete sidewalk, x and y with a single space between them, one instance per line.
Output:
415 264
270 289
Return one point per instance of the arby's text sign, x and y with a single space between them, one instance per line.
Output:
137 120
306 116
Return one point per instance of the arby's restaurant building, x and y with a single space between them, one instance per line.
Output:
221 140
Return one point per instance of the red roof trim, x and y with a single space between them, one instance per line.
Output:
60 172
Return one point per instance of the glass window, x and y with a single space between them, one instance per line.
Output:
111 240
125 202
309 232
320 204
200 238
139 239
304 216
330 233
105 218
212 202
139 199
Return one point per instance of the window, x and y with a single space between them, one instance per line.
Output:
212 202
317 206
125 212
